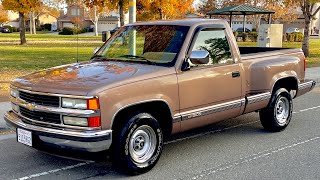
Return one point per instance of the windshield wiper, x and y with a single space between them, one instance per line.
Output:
96 56
137 57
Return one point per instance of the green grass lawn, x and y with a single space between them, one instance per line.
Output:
44 50
47 50
14 37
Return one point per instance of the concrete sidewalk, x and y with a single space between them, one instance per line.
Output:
311 73
4 106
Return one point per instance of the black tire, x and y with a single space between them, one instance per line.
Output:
277 115
129 143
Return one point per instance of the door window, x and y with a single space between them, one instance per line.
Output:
215 42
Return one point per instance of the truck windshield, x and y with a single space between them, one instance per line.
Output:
154 44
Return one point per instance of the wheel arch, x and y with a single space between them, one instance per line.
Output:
288 82
158 108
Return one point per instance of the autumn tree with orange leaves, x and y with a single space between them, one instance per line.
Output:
4 18
23 7
163 9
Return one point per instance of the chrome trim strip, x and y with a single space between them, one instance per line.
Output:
211 109
63 111
258 97
53 94
306 85
176 118
10 116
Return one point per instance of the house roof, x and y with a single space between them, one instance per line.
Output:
241 9
69 18
41 14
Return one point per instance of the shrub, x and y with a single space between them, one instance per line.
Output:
253 36
77 30
66 31
47 27
294 37
290 37
39 29
244 36
298 37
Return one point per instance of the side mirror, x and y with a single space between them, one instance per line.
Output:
199 57
96 50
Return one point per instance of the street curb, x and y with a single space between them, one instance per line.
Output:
7 136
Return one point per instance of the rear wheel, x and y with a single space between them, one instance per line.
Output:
277 115
138 145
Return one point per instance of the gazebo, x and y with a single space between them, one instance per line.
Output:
241 10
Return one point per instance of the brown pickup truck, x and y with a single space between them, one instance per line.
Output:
151 80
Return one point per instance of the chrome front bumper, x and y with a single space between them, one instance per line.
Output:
90 141
305 87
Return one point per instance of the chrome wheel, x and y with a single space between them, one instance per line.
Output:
142 144
282 110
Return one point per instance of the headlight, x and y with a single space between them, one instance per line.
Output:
74 103
77 121
14 93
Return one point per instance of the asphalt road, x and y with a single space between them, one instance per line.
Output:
233 149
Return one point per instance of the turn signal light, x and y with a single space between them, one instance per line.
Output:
93 104
94 121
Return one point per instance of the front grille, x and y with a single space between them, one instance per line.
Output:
40 99
40 116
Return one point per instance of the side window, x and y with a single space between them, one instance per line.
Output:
215 42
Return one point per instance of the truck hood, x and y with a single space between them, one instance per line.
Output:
82 78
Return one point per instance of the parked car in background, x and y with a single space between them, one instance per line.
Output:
293 30
241 30
5 30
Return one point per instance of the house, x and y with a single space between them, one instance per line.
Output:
76 14
299 22
43 18
13 19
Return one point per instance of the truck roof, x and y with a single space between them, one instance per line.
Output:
182 22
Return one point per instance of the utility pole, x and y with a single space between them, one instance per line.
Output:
132 34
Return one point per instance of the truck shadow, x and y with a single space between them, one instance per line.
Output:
247 125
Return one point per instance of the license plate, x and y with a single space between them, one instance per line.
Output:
24 137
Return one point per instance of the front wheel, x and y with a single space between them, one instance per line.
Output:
138 146
277 115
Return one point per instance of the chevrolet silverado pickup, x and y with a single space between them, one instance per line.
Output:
151 80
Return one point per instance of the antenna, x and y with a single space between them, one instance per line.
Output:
77 31
77 46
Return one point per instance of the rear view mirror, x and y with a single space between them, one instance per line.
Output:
199 57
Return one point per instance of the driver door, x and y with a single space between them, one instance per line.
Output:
210 92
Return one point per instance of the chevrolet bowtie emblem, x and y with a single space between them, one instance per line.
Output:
31 106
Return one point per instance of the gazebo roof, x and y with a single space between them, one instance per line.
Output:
240 10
